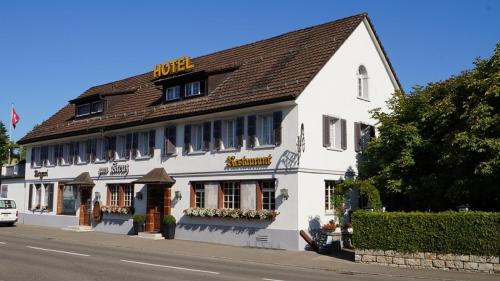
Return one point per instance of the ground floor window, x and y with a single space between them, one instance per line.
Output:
231 195
268 195
329 197
199 195
41 197
69 195
120 195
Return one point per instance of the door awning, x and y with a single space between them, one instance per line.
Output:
83 179
156 176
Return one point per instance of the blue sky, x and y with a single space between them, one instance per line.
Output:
51 51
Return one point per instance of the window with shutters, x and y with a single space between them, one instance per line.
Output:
329 196
173 93
268 195
143 145
193 89
363 83
231 191
199 195
196 137
121 147
367 132
335 133
120 195
265 130
228 132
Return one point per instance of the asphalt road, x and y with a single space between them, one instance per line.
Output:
33 258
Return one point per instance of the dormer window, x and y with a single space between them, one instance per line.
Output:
97 107
89 108
173 93
83 110
193 89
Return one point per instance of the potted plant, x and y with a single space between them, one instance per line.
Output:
329 227
138 223
169 227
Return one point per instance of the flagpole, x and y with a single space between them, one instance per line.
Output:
10 133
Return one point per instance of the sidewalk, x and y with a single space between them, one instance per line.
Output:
310 260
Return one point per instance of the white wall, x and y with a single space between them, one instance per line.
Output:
16 191
209 166
334 92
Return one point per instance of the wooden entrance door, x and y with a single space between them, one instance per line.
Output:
154 208
85 205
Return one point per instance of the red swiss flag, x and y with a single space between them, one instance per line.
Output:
14 117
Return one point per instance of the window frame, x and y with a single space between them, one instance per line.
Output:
335 130
128 195
231 195
114 193
271 195
79 106
363 85
225 134
188 87
260 134
199 195
196 137
143 140
329 192
99 110
121 148
177 93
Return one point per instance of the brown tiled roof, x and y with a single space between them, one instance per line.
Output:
266 71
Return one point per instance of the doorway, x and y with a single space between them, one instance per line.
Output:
85 205
154 208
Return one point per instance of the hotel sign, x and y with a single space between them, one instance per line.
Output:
232 161
172 67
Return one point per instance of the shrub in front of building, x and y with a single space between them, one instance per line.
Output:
474 233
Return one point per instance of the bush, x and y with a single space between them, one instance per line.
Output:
138 218
168 219
476 233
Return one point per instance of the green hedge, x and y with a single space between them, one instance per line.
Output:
476 233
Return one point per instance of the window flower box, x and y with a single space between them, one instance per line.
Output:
117 210
232 213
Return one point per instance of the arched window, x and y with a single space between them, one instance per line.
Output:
362 82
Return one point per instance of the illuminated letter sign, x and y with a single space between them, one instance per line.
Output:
172 67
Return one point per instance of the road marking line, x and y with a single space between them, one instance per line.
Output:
57 251
267 279
172 267
3 243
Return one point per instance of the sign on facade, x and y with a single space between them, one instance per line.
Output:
232 161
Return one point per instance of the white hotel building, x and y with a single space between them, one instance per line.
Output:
175 130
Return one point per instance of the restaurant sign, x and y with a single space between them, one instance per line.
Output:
172 67
115 170
232 161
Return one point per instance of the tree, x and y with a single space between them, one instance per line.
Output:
439 146
4 144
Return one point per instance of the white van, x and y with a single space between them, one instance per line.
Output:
8 211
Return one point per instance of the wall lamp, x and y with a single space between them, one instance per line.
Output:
138 195
284 193
178 195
